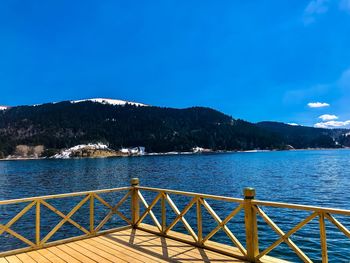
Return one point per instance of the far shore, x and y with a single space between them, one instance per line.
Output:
171 153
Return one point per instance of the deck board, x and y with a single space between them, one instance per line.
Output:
120 252
75 254
37 256
66 257
167 247
13 259
50 256
25 258
129 245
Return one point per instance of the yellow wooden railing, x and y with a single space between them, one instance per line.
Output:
37 203
252 209
314 212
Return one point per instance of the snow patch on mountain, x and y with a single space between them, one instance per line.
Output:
65 154
110 101
3 108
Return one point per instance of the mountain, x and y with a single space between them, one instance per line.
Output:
66 124
118 124
110 101
307 137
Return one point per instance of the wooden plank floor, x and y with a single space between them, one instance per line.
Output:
124 246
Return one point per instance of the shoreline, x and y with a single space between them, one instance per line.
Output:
170 154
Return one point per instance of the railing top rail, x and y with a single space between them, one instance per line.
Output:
185 193
46 197
256 202
302 207
192 194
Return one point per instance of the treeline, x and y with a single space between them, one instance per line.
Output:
306 137
65 124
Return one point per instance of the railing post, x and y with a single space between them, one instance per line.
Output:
92 214
323 237
37 223
163 204
251 226
135 206
199 222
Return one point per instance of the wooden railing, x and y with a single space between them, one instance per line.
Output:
37 203
253 209
139 209
314 212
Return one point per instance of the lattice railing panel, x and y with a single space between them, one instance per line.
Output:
189 217
229 214
41 220
17 217
299 238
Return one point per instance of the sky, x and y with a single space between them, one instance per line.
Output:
275 60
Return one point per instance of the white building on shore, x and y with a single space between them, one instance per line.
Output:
134 151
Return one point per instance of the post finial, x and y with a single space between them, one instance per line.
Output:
249 193
134 181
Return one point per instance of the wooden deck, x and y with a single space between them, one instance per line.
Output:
129 245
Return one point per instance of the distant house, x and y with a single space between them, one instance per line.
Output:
201 150
134 151
124 150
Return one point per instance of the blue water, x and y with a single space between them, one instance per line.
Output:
306 177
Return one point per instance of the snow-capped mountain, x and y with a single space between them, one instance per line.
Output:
110 101
57 126
96 100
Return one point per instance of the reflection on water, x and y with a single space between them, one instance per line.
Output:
306 177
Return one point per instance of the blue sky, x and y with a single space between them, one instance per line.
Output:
255 60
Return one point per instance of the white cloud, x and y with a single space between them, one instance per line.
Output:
314 8
317 7
328 117
344 81
332 124
293 124
317 104
345 5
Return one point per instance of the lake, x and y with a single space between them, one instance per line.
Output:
315 177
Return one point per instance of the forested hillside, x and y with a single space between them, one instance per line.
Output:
66 124
61 125
307 137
